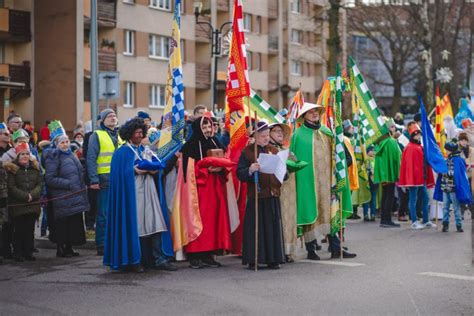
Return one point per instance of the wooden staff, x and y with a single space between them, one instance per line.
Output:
256 192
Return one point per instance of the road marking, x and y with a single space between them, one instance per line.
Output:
449 276
335 263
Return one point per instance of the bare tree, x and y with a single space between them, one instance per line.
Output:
388 27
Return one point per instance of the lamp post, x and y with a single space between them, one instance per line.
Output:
216 39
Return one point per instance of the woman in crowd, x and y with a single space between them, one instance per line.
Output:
65 180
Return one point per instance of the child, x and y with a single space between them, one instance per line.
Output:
24 190
453 185
373 187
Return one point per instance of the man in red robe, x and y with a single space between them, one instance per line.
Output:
211 178
416 175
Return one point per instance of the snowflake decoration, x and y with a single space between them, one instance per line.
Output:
444 75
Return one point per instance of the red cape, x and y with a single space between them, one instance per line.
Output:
213 208
411 169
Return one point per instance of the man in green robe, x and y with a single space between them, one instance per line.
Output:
312 143
386 172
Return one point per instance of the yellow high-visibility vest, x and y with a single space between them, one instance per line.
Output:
107 149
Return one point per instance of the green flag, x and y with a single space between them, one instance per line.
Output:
373 125
264 110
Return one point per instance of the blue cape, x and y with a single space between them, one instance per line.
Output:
463 187
122 244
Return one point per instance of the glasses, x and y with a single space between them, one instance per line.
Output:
16 122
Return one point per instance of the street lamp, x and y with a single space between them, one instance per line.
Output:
216 39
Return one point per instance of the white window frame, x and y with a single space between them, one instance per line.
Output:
163 53
247 22
258 24
129 47
156 93
163 5
129 95
258 62
300 37
295 6
295 63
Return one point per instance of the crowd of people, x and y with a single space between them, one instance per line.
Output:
199 203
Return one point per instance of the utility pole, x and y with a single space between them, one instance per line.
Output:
94 64
428 59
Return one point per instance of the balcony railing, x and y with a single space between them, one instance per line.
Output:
106 13
203 76
202 31
18 76
273 9
107 60
273 44
15 25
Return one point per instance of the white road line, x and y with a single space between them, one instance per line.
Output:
449 276
334 263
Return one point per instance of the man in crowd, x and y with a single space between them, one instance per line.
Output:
102 145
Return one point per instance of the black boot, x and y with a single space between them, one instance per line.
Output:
445 227
311 248
312 255
60 251
459 229
69 251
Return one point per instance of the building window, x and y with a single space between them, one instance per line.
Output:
296 36
158 46
129 42
258 62
129 1
296 68
258 24
161 4
2 53
129 95
247 22
157 96
295 6
249 60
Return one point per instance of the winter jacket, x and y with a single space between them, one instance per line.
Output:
65 176
93 150
21 182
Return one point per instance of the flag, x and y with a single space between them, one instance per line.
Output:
264 110
324 99
172 131
237 87
433 155
443 108
341 167
376 126
296 105
342 181
360 151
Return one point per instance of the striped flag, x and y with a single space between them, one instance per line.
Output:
375 123
172 132
443 108
264 110
238 86
341 167
296 104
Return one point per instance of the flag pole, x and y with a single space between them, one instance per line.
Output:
340 226
256 193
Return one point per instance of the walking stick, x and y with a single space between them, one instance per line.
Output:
256 193
340 225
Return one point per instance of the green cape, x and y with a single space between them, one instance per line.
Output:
388 157
306 199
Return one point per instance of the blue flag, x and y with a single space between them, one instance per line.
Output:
433 155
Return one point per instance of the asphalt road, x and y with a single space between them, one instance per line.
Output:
396 272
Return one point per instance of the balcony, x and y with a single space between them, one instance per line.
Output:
273 9
272 81
223 5
106 13
15 25
17 78
203 76
107 60
273 44
202 30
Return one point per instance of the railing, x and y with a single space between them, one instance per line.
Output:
15 25
272 9
272 81
202 30
17 74
106 10
273 44
107 60
203 76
